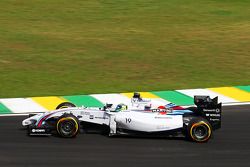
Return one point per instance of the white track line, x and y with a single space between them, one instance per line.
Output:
22 105
12 115
112 98
221 98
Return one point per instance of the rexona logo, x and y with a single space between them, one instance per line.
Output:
38 130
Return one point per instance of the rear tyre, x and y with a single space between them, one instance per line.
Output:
199 130
65 105
67 126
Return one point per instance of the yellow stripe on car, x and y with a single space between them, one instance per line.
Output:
234 93
50 102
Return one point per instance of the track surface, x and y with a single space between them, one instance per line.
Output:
229 147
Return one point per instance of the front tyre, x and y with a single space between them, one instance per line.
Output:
65 105
199 130
67 126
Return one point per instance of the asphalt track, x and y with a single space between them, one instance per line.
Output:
230 146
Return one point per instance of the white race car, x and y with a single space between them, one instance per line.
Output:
195 123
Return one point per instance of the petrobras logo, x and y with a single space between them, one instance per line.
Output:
38 130
217 110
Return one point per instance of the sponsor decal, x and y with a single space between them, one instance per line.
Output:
162 110
85 113
213 115
128 120
212 110
214 119
163 118
207 110
38 130
101 117
217 110
162 127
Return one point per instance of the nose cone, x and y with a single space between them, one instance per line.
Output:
30 120
26 122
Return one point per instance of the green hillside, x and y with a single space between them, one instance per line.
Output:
65 47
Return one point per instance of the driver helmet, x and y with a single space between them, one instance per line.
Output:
121 107
137 96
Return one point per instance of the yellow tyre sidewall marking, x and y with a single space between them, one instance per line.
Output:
197 124
63 107
67 118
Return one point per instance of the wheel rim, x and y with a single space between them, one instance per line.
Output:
63 107
200 132
67 127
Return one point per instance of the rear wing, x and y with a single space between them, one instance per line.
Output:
209 109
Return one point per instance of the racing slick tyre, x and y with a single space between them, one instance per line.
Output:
65 105
67 126
199 130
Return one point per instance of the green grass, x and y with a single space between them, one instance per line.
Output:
65 47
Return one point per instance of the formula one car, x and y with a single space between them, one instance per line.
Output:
195 123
